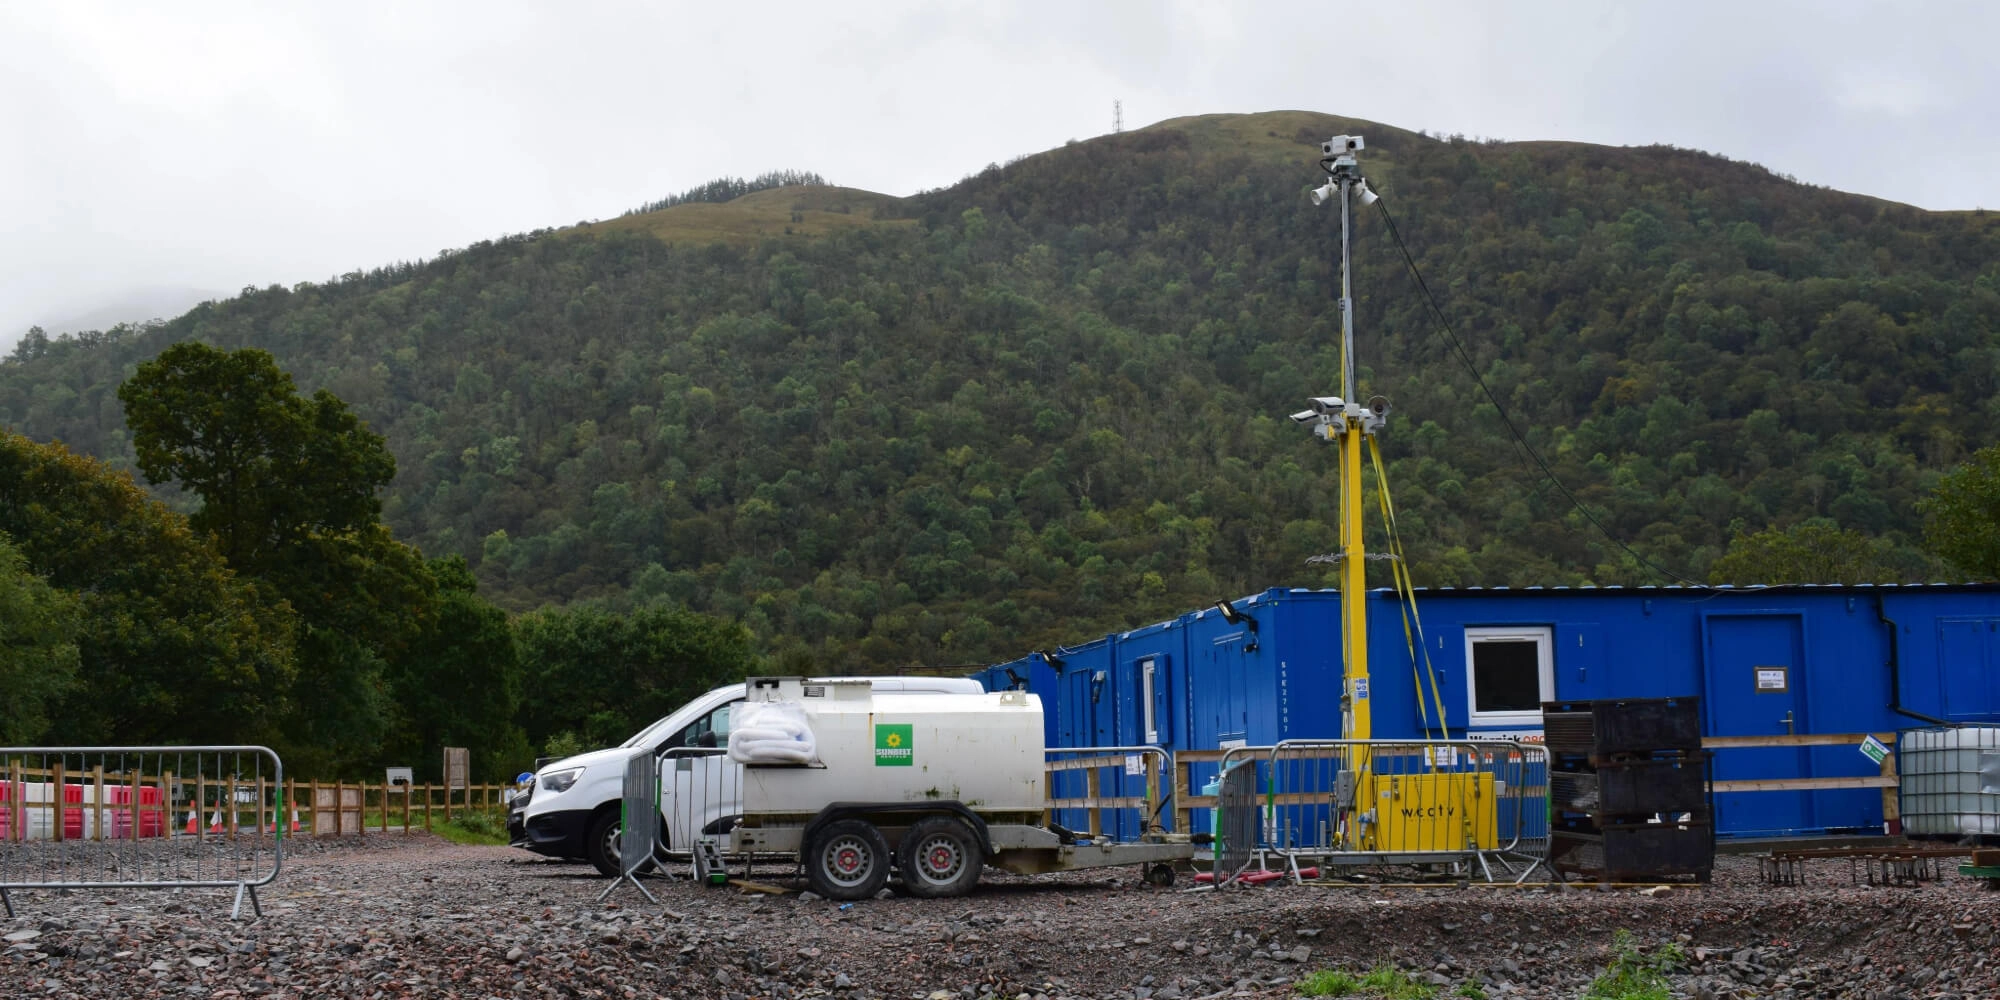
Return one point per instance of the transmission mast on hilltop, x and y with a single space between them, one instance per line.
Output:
1117 116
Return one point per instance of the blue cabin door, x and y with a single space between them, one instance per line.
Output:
1755 675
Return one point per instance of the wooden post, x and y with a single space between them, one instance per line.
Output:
1892 809
57 800
260 805
167 806
1090 789
97 802
407 789
447 800
134 802
200 803
1183 815
427 807
314 828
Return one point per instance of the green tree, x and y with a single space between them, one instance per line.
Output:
458 682
1808 552
603 676
176 647
288 490
272 468
38 653
1962 516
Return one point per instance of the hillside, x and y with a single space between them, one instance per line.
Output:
1050 399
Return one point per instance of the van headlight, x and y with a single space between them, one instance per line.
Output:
558 781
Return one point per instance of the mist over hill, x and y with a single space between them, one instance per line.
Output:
1050 399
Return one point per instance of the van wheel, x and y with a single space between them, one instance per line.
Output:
939 857
601 845
847 859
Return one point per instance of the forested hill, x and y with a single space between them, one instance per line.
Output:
1051 399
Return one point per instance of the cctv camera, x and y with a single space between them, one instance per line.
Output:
1342 145
1327 404
1305 416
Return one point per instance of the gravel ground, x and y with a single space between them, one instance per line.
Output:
417 917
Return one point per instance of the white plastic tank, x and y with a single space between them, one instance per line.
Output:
1950 781
984 750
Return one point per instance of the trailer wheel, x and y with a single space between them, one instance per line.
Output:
939 857
848 859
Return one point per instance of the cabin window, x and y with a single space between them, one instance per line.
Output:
1149 679
1509 672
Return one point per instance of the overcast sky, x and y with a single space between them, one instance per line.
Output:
151 155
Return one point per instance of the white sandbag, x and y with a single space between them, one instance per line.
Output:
771 732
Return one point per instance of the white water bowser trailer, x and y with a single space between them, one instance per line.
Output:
855 782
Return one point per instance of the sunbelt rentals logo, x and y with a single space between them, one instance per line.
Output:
894 744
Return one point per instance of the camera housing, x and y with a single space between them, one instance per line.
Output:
1342 145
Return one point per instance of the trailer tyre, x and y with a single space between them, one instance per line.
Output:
848 859
939 856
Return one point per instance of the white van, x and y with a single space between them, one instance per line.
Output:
570 810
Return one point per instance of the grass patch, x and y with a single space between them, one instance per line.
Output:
1634 975
473 828
1472 991
1329 983
1379 983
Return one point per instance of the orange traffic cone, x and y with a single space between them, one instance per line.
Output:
295 819
193 814
215 822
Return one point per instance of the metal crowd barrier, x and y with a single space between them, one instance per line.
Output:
1115 792
701 799
1455 803
153 817
638 821
1236 836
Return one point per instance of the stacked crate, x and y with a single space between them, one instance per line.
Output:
1629 789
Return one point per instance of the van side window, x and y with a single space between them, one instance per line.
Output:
716 722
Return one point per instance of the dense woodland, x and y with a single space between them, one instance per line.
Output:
1050 400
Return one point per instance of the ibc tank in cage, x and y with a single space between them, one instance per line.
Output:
1951 781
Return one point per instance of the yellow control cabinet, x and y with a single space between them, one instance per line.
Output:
1437 811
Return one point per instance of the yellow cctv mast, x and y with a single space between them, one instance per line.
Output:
1347 423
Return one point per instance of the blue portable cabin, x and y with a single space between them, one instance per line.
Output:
1830 659
1201 680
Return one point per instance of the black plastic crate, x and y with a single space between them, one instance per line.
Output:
1638 852
1603 729
1635 787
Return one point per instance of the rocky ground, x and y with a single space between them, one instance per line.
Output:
416 917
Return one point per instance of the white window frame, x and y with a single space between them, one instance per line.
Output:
1545 655
1149 670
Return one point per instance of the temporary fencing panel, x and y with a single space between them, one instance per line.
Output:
701 797
639 820
141 817
1461 803
1237 811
